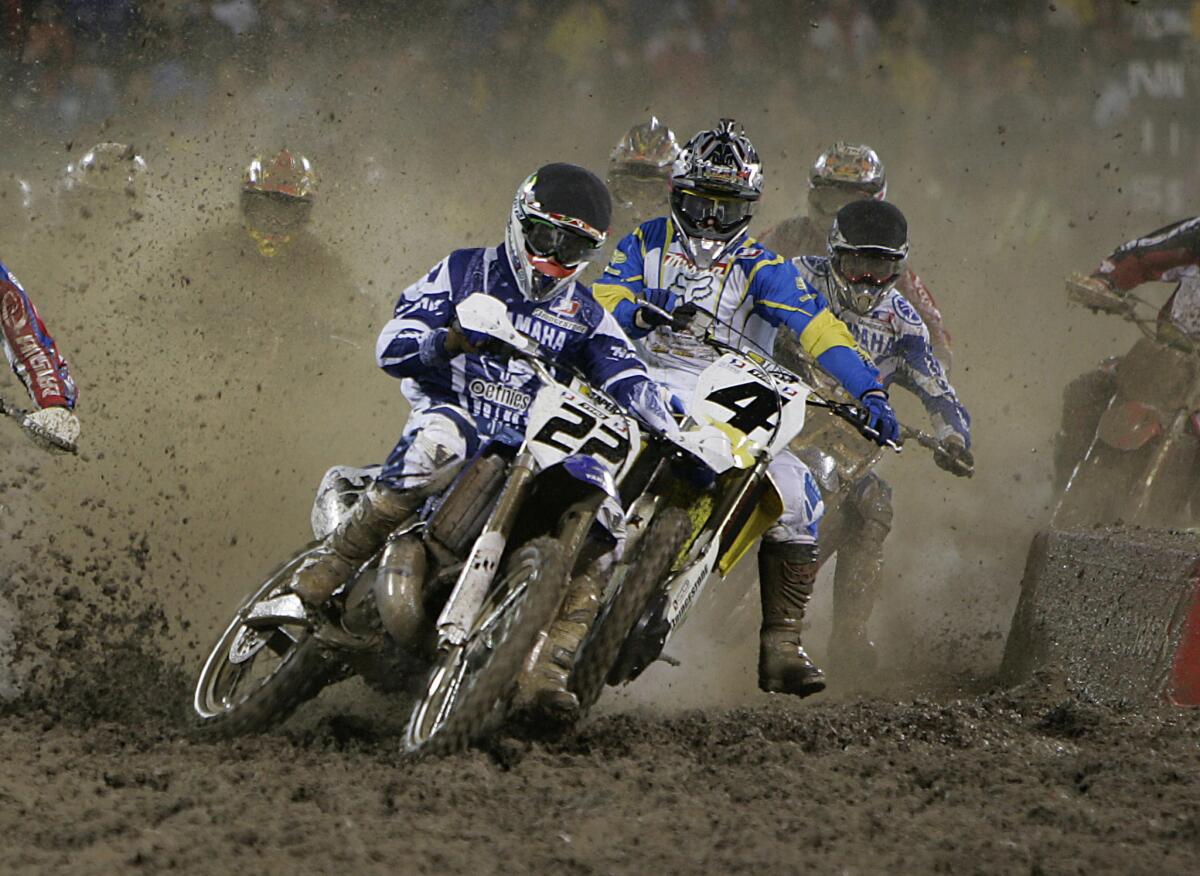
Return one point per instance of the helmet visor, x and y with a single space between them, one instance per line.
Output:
564 245
705 211
867 268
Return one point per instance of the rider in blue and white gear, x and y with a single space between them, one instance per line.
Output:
867 249
700 257
464 392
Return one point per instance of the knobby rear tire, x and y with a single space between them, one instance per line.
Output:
302 672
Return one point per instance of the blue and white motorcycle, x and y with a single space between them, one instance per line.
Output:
459 595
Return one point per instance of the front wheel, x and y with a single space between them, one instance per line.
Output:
470 683
255 676
648 568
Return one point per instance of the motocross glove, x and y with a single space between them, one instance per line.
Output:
880 417
952 455
465 341
664 309
53 428
1097 293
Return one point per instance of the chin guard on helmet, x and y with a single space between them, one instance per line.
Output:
868 245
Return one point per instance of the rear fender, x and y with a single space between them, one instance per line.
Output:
1130 425
339 490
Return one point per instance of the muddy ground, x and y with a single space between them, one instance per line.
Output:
1034 780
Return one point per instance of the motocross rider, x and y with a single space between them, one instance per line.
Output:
277 199
867 247
1171 254
35 359
843 173
700 256
463 391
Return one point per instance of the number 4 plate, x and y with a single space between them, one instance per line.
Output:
735 391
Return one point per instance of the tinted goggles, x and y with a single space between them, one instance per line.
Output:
712 211
565 246
864 267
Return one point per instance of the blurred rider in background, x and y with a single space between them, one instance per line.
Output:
35 359
277 200
639 172
1170 255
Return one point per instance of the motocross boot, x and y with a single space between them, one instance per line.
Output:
786 573
856 580
545 687
356 538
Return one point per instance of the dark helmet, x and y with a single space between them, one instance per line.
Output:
559 219
868 244
715 186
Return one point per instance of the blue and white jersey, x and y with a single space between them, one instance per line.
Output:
570 327
895 337
752 292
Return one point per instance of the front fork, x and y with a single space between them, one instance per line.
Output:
454 623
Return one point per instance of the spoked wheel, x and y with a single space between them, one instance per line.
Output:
648 568
257 675
470 684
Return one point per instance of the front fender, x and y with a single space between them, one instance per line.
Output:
558 487
590 472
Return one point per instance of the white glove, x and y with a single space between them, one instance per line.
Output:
53 429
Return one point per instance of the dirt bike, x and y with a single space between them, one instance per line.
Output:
678 531
1139 466
461 592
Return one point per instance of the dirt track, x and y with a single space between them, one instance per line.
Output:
1034 781
141 548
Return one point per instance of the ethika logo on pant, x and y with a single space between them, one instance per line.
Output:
500 394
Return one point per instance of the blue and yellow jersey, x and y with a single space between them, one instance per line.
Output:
752 292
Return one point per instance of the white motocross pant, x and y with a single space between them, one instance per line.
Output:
435 444
803 506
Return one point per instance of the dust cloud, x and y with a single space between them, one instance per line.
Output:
216 386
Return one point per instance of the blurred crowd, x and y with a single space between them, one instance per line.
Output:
942 78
